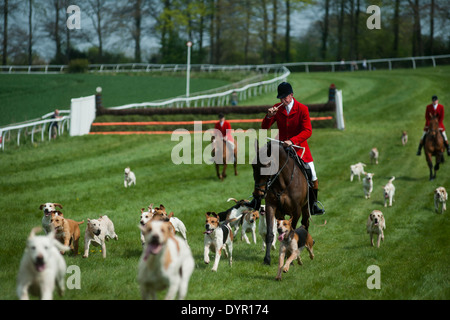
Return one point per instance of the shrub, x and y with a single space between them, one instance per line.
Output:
78 66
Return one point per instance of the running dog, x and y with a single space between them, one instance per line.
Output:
166 261
440 196
42 267
368 184
67 231
375 225
263 227
292 243
49 211
146 216
129 178
98 231
249 224
234 214
373 155
218 236
177 225
404 138
389 192
356 170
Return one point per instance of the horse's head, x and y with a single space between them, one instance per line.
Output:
265 165
433 125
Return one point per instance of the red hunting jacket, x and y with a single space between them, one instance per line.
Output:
440 114
295 127
223 129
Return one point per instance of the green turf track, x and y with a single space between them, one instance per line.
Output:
85 175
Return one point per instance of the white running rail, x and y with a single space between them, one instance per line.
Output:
36 126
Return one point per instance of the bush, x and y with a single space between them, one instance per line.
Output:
78 66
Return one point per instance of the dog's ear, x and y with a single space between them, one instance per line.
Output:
161 207
59 213
34 231
142 210
150 207
41 206
58 205
215 215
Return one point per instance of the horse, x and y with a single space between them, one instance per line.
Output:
434 146
224 153
285 192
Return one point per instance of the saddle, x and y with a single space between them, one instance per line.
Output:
303 166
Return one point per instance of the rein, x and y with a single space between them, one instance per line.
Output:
274 177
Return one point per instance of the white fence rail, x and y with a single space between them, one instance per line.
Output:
34 69
34 127
333 66
221 98
372 64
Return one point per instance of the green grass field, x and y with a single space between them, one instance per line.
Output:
85 175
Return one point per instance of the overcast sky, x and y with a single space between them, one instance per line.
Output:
45 47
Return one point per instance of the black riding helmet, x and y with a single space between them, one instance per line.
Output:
284 89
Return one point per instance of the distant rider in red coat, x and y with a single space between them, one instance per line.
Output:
224 127
294 125
434 109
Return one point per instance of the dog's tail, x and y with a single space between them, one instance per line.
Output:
80 222
392 179
229 199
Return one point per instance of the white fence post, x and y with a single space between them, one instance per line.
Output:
339 110
82 114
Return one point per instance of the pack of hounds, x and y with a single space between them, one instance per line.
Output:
376 223
166 261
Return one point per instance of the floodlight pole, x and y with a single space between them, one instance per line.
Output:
188 69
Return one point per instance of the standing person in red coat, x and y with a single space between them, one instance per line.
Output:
434 109
294 127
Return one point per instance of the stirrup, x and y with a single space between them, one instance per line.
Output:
318 213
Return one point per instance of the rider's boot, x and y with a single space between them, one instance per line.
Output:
314 208
420 148
447 147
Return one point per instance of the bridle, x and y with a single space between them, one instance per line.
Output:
268 183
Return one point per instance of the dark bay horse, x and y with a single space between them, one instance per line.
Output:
434 146
224 152
285 191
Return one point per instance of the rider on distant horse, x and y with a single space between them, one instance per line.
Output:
294 127
224 127
434 109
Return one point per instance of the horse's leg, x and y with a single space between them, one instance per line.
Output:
224 173
438 161
235 161
430 164
270 213
305 216
218 173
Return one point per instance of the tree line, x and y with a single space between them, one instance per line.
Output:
222 31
